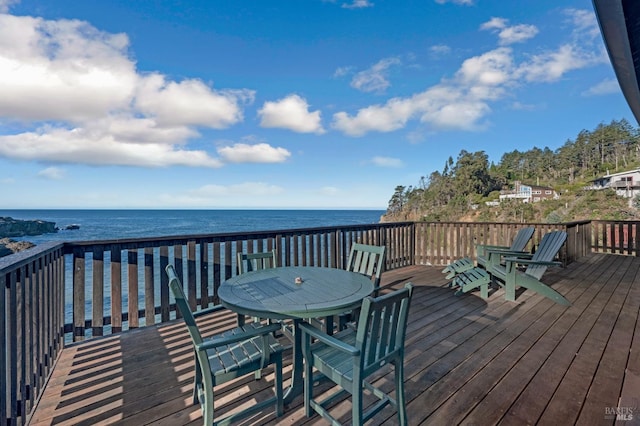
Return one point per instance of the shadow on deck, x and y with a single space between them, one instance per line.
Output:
468 361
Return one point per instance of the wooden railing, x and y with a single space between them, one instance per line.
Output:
440 243
618 237
121 284
75 290
31 334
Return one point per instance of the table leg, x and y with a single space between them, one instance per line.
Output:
297 385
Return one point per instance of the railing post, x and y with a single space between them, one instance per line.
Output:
78 294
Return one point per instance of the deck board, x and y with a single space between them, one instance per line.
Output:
468 360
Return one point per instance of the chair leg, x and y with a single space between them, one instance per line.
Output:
356 407
308 385
197 382
278 385
400 402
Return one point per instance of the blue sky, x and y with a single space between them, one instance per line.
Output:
282 104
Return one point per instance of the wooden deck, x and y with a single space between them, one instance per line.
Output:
468 361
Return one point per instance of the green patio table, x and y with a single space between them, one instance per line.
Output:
277 294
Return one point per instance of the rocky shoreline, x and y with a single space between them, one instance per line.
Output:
9 246
10 227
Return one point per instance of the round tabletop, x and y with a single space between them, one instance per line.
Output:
274 293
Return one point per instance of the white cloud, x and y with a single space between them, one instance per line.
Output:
357 4
190 102
257 153
584 22
463 2
53 173
605 87
257 189
510 34
100 110
463 101
452 104
551 66
328 191
291 112
98 146
7 181
439 49
6 4
342 71
387 162
374 79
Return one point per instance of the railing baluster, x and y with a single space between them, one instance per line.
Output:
149 290
132 288
116 288
98 292
78 294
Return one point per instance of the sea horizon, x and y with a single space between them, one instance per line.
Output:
109 224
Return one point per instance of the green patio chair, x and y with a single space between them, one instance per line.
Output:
486 253
511 277
224 357
350 356
366 260
248 262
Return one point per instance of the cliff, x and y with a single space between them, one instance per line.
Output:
10 227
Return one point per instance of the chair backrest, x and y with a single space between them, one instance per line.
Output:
548 248
522 238
248 262
183 305
382 327
367 260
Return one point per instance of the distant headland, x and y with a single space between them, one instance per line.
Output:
10 227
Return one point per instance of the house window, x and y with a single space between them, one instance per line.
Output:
537 191
548 192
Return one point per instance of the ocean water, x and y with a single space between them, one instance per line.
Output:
115 224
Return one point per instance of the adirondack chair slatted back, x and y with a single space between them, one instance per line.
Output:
367 260
548 248
181 301
248 262
522 238
381 328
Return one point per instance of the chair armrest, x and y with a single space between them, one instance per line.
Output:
329 340
520 261
513 253
227 340
491 247
206 311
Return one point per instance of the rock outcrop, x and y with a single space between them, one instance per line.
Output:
9 246
10 227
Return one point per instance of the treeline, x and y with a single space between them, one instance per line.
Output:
464 184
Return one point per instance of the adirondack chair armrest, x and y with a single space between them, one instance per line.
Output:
521 261
207 311
512 253
329 340
513 261
490 247
227 340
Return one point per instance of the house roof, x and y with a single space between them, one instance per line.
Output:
620 27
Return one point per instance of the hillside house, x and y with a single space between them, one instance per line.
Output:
529 193
625 184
